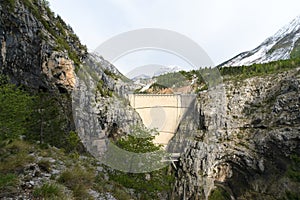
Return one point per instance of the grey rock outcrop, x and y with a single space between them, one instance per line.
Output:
100 108
246 144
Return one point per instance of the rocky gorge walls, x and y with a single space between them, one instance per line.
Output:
240 140
100 108
250 148
40 52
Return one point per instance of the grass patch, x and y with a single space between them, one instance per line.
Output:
102 185
8 185
120 194
15 156
78 180
50 191
45 165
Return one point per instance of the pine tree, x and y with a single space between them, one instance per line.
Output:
15 110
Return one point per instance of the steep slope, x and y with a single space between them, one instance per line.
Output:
283 45
100 109
38 49
247 148
43 55
41 52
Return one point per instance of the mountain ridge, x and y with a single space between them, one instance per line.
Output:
283 45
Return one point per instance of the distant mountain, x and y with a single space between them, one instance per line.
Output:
166 69
283 45
149 71
139 77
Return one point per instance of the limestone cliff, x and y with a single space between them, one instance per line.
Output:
100 108
38 49
249 148
43 55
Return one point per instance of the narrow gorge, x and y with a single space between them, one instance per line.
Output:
240 138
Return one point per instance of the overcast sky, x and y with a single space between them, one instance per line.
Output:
223 28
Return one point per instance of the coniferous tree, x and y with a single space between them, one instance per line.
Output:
15 110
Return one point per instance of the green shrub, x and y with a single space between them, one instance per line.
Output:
104 91
110 74
219 194
141 141
10 4
160 181
292 196
293 171
73 141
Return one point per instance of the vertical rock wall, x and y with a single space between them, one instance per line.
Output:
243 144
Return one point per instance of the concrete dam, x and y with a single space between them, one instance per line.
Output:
162 112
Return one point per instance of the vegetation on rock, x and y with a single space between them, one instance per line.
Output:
243 72
148 185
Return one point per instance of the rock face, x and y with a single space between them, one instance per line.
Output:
41 52
36 46
247 149
100 109
60 69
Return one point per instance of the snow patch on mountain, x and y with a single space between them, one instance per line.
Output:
149 71
277 47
